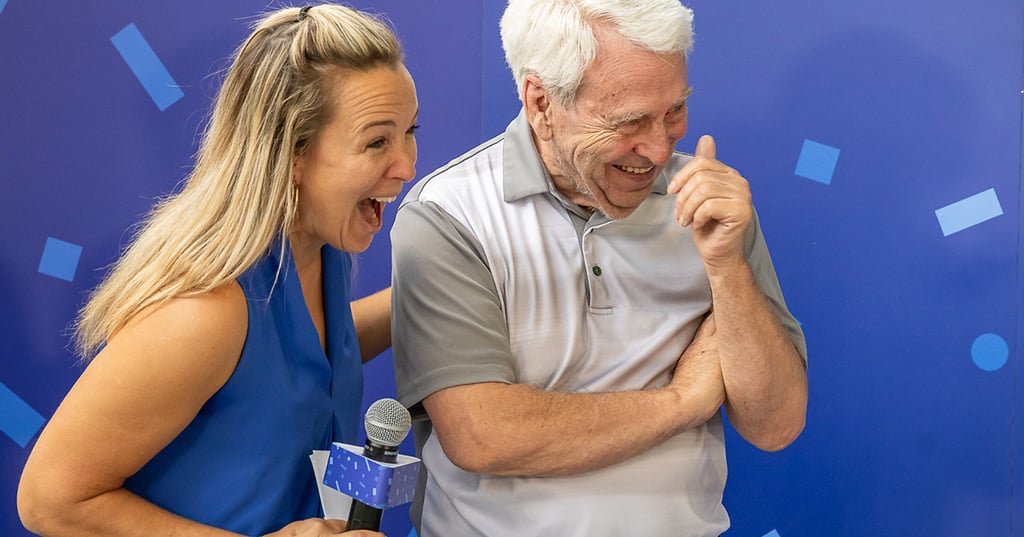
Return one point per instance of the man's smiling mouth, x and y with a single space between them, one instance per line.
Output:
633 170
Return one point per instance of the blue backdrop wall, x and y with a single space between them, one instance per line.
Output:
882 139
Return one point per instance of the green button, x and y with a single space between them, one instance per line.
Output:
597 270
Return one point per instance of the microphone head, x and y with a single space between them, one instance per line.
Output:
387 422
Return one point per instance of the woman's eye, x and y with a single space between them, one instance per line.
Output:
413 129
377 144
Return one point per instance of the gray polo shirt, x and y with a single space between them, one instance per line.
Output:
498 278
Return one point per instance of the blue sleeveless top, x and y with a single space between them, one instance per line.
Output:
243 463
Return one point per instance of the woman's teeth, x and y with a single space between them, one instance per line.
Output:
638 171
376 205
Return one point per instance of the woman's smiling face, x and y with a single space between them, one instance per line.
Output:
359 160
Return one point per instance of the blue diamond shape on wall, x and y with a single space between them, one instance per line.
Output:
18 420
817 162
60 259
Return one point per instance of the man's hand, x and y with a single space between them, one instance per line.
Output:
698 374
715 201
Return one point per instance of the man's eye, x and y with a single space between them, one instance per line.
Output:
629 126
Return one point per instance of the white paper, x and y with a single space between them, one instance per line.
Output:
335 504
358 450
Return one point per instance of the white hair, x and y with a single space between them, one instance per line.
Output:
554 39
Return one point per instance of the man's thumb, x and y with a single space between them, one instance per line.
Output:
705 147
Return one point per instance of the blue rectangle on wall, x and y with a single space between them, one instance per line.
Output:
147 67
969 212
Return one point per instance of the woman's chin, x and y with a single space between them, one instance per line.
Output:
357 243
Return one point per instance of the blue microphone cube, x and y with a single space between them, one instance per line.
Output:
377 484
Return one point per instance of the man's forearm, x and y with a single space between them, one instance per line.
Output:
514 429
764 376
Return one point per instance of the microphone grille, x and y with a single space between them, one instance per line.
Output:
387 422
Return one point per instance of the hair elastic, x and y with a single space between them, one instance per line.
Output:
302 12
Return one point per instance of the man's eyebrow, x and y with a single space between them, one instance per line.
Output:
686 95
634 116
629 117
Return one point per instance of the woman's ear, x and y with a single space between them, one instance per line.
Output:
298 166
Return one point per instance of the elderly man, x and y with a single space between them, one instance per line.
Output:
574 301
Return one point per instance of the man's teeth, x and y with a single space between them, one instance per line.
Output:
384 200
630 169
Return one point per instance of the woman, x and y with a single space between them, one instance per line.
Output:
225 350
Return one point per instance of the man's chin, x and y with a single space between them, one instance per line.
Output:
622 208
615 212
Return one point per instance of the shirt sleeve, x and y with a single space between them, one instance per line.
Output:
448 324
764 273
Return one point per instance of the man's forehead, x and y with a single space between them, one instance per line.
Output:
611 107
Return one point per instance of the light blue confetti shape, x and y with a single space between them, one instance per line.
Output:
147 67
412 533
817 162
3 4
990 352
18 420
772 533
969 212
60 259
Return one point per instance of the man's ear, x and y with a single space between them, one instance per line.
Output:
537 104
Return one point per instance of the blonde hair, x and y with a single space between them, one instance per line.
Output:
239 200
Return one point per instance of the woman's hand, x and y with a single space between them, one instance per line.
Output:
319 527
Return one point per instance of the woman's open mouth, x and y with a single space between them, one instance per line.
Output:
371 209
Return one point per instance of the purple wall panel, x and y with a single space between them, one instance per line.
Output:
857 124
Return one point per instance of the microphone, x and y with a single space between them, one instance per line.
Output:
387 423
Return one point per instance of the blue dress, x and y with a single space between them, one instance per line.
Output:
243 463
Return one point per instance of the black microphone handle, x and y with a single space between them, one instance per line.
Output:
360 515
380 453
363 517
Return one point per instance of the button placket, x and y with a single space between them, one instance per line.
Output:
596 287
